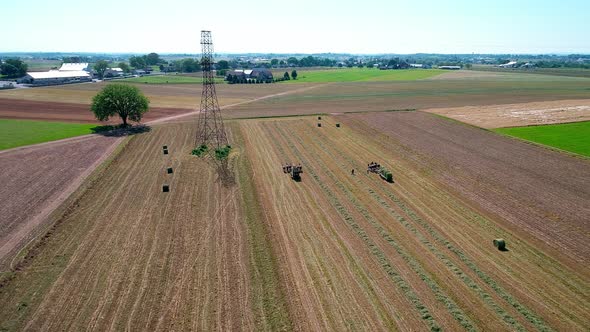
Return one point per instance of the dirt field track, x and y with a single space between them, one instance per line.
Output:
513 115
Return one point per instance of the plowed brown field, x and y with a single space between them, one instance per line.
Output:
361 254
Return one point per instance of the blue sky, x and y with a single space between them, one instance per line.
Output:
305 26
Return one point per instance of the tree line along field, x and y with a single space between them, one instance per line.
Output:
572 137
334 251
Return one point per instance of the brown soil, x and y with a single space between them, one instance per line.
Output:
542 193
36 179
68 112
511 115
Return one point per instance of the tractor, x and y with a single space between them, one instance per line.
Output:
293 170
376 168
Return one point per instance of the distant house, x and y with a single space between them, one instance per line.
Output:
263 74
510 64
449 67
54 77
114 72
416 65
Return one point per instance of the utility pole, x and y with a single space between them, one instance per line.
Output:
210 129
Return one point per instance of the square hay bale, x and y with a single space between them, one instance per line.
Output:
169 170
337 125
500 244
165 147
165 188
166 151
319 124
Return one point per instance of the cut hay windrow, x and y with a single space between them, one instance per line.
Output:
366 284
373 248
524 311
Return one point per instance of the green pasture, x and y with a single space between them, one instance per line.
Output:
573 137
14 133
362 75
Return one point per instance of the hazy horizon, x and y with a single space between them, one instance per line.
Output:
307 27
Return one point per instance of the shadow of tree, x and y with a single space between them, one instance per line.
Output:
119 130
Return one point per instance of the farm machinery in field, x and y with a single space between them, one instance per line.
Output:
293 170
376 168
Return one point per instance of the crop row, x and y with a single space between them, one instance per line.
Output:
527 313
373 248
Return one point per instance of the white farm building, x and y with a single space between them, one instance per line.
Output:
56 77
67 73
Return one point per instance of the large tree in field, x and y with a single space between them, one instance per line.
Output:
120 99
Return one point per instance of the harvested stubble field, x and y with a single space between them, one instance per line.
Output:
525 114
334 251
357 253
439 93
124 255
539 193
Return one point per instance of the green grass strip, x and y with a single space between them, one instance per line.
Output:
15 133
572 137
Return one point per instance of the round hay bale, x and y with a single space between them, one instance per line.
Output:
500 244
165 188
337 125
319 117
319 124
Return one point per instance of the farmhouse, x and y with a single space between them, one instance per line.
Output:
114 72
55 77
255 74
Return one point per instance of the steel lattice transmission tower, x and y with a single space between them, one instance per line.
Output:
210 129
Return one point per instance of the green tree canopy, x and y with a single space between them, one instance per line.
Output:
100 67
222 64
124 100
274 62
153 59
286 76
124 66
294 74
137 62
13 68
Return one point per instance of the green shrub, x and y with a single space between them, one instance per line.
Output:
222 153
201 150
